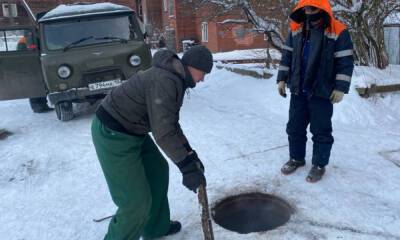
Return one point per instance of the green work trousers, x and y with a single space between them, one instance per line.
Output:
137 176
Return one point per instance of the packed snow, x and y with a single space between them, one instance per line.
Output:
393 18
79 10
52 185
249 54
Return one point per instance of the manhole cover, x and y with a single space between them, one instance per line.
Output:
252 212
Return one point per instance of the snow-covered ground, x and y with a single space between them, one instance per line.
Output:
257 53
51 184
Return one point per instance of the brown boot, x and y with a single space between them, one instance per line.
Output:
315 174
291 166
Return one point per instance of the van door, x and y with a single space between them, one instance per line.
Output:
20 69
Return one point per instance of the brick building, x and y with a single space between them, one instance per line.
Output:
172 20
177 20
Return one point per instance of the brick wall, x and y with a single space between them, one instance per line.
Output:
153 10
212 42
22 19
228 36
238 36
185 23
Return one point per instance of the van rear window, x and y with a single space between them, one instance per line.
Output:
17 40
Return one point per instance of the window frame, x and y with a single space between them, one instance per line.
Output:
12 10
165 5
171 8
3 34
204 31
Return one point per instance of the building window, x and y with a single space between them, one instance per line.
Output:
9 10
139 9
171 7
165 5
204 32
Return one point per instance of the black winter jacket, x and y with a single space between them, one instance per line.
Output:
330 64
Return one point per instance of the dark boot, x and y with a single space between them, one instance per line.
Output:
291 166
315 174
174 227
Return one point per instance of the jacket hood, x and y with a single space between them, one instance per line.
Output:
334 27
168 60
298 15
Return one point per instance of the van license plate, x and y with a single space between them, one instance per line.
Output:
105 84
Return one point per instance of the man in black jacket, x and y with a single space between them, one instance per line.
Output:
135 170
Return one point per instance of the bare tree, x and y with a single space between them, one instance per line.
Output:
265 15
365 19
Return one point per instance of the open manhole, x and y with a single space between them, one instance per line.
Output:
4 133
252 212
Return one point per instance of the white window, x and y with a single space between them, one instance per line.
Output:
139 8
171 7
9 10
165 5
204 32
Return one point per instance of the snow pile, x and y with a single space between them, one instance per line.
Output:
394 18
75 10
246 54
366 76
380 109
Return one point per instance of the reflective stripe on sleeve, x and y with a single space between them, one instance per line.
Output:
283 68
343 77
287 48
344 53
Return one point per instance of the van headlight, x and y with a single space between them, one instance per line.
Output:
64 71
135 60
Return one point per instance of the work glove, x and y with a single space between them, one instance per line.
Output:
282 88
192 170
336 96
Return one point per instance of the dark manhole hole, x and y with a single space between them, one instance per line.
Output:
252 212
4 134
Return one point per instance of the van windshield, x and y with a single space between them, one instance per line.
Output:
82 32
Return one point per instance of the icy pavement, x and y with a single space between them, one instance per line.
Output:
51 185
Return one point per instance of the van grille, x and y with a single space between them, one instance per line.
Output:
102 75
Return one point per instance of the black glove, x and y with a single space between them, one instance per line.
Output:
192 170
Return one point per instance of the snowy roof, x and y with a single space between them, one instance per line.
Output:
83 9
393 19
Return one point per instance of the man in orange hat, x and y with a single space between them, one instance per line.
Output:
317 65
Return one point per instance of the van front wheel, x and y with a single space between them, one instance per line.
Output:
64 111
